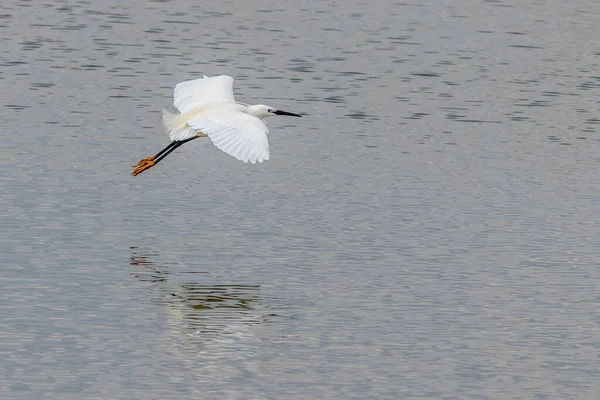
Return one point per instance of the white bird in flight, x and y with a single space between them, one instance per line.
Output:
207 108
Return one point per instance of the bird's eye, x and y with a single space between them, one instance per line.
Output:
271 110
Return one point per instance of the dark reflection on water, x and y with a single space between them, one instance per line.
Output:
199 309
211 297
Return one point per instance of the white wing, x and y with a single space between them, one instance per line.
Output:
238 134
191 95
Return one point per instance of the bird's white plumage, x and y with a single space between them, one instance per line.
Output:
196 94
176 126
207 106
237 133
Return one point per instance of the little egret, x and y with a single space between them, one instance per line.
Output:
207 108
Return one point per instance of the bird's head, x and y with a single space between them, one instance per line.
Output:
263 111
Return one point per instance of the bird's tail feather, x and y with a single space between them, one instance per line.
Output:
176 126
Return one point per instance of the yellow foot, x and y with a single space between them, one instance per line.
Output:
143 161
142 165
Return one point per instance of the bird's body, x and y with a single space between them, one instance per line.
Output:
207 108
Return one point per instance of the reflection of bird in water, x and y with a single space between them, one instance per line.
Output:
209 327
143 269
218 296
202 309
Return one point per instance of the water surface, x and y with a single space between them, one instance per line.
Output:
427 230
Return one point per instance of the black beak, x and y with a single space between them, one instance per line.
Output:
289 114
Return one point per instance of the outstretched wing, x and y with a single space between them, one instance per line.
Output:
191 95
236 133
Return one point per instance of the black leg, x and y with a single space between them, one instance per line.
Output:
160 153
170 148
149 162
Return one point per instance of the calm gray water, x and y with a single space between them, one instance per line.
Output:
427 231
